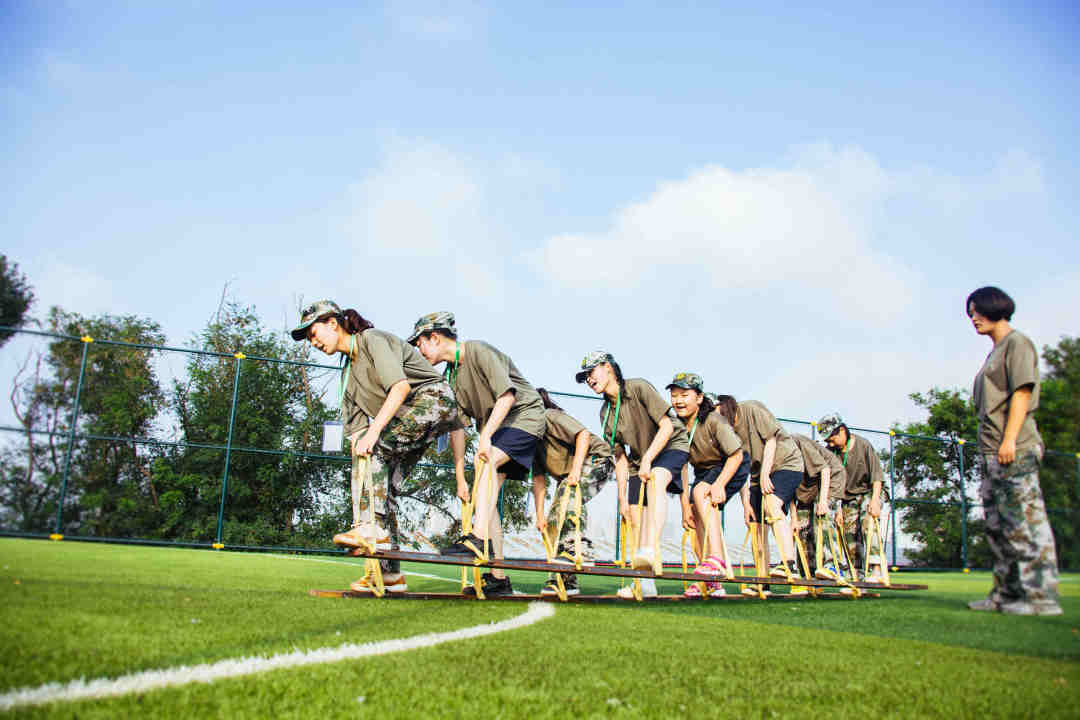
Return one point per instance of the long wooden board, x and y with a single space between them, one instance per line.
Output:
595 599
544 566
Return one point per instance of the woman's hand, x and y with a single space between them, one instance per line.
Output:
717 496
362 445
573 478
748 514
624 510
1007 452
875 506
463 489
644 471
766 485
483 447
822 507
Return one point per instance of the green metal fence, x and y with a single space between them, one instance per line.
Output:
1061 461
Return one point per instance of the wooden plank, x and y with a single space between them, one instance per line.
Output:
588 599
544 566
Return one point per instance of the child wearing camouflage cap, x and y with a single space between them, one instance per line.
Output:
864 496
721 468
509 417
1006 395
817 502
636 418
393 403
574 457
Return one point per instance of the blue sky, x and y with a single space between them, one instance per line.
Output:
792 200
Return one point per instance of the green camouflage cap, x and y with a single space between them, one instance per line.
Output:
690 381
829 424
311 314
713 397
596 357
442 320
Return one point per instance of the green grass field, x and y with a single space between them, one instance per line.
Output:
76 610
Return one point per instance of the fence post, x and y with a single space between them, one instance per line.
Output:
963 506
228 451
58 534
892 491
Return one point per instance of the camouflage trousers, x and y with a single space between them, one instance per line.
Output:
857 530
807 521
427 413
595 474
1018 530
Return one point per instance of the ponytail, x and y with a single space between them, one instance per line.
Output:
705 408
618 376
353 322
548 402
727 406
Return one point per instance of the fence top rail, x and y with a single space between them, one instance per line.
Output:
240 355
169 348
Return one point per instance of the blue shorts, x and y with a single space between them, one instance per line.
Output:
671 460
734 485
784 484
520 446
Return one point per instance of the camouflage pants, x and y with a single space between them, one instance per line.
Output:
594 475
857 530
1018 530
427 413
806 516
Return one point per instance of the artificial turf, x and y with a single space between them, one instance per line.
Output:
74 610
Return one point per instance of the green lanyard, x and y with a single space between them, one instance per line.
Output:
847 447
693 429
345 373
607 411
451 373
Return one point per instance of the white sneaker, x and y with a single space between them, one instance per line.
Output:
362 533
648 589
643 559
392 583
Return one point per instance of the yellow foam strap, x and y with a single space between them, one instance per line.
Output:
549 549
466 522
692 537
714 517
772 519
576 519
819 549
800 550
484 470
840 554
742 556
875 532
371 565
759 558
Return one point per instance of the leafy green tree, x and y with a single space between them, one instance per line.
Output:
16 296
929 470
1058 418
277 494
109 483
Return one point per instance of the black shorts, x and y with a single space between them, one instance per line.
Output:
520 446
671 460
784 484
734 485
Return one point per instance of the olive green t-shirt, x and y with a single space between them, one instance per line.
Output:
483 375
714 442
555 454
380 361
815 459
640 413
754 425
1012 364
863 467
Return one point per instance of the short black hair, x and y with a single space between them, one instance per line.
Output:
992 303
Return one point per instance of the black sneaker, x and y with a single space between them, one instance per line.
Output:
493 587
551 587
460 548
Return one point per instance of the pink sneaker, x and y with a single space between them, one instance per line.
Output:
716 590
712 566
693 592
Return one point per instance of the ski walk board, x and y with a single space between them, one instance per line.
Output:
588 599
544 566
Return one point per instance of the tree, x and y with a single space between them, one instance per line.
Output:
276 494
16 297
1058 419
120 397
929 470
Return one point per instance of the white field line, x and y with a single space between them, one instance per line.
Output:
356 565
209 672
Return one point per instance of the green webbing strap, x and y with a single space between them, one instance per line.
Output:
847 446
607 412
345 374
451 373
693 429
